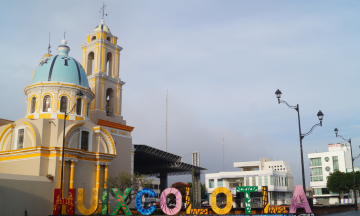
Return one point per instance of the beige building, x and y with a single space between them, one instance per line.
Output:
98 142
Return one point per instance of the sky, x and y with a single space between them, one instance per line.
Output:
221 62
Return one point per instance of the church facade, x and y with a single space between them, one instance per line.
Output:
98 142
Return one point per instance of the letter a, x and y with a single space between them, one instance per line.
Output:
299 193
121 204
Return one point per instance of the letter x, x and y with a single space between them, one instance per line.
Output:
121 204
66 60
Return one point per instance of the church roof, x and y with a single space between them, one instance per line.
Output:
61 68
102 27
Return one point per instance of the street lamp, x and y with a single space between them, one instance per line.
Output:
320 115
352 163
79 94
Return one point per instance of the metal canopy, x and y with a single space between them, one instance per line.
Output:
151 162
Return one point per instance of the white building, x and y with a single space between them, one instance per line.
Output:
338 158
276 175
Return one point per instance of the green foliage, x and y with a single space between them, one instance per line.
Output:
340 182
125 180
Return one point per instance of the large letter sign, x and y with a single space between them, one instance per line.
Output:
138 206
94 203
70 202
247 190
229 200
299 193
121 201
163 205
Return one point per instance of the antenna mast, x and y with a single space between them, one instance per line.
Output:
223 154
166 120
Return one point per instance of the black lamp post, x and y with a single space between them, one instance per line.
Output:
352 163
301 136
79 94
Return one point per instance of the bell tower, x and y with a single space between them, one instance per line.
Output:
101 61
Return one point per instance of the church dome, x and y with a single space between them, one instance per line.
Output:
102 27
61 68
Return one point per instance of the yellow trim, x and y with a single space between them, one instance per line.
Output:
103 59
96 57
84 60
2 134
118 101
111 140
30 116
2 146
97 176
61 116
98 35
104 35
32 129
72 128
105 176
101 95
114 40
72 165
45 116
88 39
79 118
85 89
116 64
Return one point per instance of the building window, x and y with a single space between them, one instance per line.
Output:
316 171
88 110
93 38
260 180
253 181
317 191
156 187
247 181
78 106
108 38
220 183
286 181
20 142
85 140
63 104
327 168
271 180
211 183
326 159
110 102
335 163
33 105
47 104
234 183
316 178
282 181
315 161
265 181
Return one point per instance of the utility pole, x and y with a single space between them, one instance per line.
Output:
166 120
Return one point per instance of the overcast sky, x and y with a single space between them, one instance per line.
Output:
221 62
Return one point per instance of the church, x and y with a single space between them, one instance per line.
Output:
78 105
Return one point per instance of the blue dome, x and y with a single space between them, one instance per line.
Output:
61 68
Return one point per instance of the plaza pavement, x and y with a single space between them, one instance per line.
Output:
348 213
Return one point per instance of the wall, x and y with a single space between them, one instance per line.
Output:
33 193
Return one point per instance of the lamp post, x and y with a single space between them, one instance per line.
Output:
79 94
352 163
320 115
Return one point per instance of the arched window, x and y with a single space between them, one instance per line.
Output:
63 104
110 102
47 104
88 110
20 141
84 140
93 38
33 105
78 106
109 63
108 38
90 64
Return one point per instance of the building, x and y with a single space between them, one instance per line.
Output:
276 175
98 142
337 158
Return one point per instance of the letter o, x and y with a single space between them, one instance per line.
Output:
229 200
138 206
163 205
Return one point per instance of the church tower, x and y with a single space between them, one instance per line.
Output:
101 61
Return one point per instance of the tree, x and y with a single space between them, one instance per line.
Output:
339 182
125 180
